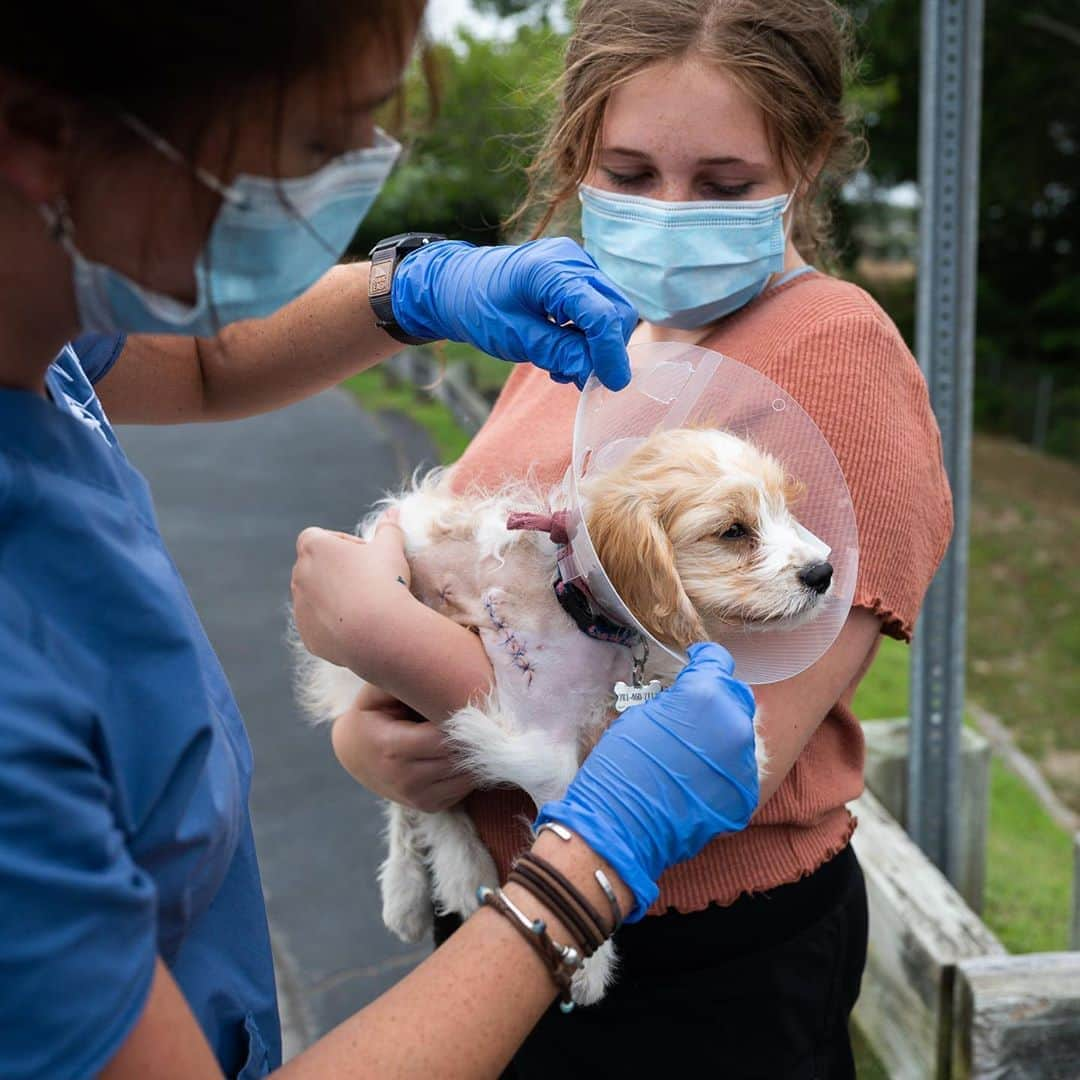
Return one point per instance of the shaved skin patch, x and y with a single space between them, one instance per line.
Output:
510 642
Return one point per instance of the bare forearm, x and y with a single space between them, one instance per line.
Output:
422 658
467 1008
790 712
253 366
310 345
461 1014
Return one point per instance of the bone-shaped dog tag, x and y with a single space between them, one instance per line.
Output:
627 695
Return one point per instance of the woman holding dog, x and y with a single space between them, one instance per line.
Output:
175 173
701 139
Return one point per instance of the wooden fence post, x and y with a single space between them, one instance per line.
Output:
1017 1017
887 748
920 928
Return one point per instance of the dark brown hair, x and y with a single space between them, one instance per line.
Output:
792 58
175 67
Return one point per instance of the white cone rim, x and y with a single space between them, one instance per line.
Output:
676 385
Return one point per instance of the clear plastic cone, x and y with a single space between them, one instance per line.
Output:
677 385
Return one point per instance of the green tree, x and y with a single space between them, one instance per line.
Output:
507 8
1029 189
464 174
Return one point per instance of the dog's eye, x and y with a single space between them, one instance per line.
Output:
734 532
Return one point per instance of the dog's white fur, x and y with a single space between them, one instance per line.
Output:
695 531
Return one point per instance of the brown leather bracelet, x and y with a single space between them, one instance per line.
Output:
547 892
558 876
594 933
537 885
562 961
564 834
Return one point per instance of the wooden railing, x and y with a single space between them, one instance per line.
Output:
941 997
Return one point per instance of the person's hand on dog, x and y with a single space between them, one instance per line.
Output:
397 754
667 776
546 302
339 582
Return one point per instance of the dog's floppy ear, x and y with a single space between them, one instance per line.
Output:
638 557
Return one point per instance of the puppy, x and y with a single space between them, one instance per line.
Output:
696 531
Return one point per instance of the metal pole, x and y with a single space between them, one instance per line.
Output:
950 89
1044 395
1074 935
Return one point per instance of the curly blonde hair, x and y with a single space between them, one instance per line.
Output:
791 58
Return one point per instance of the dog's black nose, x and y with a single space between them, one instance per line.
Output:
816 576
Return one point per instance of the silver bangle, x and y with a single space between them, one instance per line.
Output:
605 884
563 833
568 954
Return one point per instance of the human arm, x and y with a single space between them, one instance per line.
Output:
790 712
389 756
478 996
688 757
351 608
498 299
82 990
252 366
390 759
397 754
382 739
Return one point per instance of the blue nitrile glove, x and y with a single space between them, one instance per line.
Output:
500 299
667 776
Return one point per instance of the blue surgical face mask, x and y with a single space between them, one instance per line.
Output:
270 241
684 264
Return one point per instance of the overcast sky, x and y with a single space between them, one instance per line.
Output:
444 16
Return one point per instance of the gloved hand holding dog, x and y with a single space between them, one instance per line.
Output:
668 776
515 302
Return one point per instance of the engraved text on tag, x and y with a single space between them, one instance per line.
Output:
626 695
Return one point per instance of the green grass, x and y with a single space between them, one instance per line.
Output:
867 1066
1029 869
488 373
1024 602
883 694
378 393
1023 610
1029 856
1023 639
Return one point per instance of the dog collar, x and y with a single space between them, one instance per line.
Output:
573 594
577 603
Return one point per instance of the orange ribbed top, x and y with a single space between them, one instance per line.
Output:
830 346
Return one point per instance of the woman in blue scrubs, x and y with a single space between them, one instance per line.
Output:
179 174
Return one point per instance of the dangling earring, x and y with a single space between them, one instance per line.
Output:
58 220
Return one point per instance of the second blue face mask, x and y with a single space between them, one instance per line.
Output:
684 264
270 241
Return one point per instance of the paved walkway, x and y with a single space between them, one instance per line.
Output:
231 499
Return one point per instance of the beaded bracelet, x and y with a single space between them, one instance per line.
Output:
562 961
536 884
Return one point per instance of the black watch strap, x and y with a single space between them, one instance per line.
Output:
385 257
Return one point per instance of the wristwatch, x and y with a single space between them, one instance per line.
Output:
385 256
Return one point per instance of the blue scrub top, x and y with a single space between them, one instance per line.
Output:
124 764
